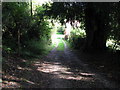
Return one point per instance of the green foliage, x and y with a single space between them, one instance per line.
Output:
77 37
61 30
64 10
15 17
103 19
8 50
78 32
18 24
35 48
76 42
60 46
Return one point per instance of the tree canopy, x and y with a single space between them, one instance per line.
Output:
101 20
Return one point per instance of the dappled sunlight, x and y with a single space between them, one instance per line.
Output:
76 77
10 77
87 74
10 81
63 72
21 68
111 43
30 82
50 67
60 45
24 60
10 84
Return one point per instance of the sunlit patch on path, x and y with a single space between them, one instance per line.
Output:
61 71
67 70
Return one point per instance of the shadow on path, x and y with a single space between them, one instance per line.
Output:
60 69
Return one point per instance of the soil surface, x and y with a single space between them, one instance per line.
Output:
60 69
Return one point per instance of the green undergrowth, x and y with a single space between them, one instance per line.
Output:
41 52
34 53
53 45
60 46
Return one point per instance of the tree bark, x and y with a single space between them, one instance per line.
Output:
31 7
95 33
18 42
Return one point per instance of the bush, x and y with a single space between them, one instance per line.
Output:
22 33
77 38
35 47
77 42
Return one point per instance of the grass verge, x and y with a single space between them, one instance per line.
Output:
60 46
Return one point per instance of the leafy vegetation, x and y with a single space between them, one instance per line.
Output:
100 23
60 46
23 32
77 37
29 33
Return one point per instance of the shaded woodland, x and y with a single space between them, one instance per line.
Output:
28 33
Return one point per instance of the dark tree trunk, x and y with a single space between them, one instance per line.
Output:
99 38
95 34
31 7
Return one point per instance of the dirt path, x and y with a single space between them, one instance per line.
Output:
66 70
59 69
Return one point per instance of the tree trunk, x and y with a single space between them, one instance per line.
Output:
95 34
89 20
31 7
18 42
